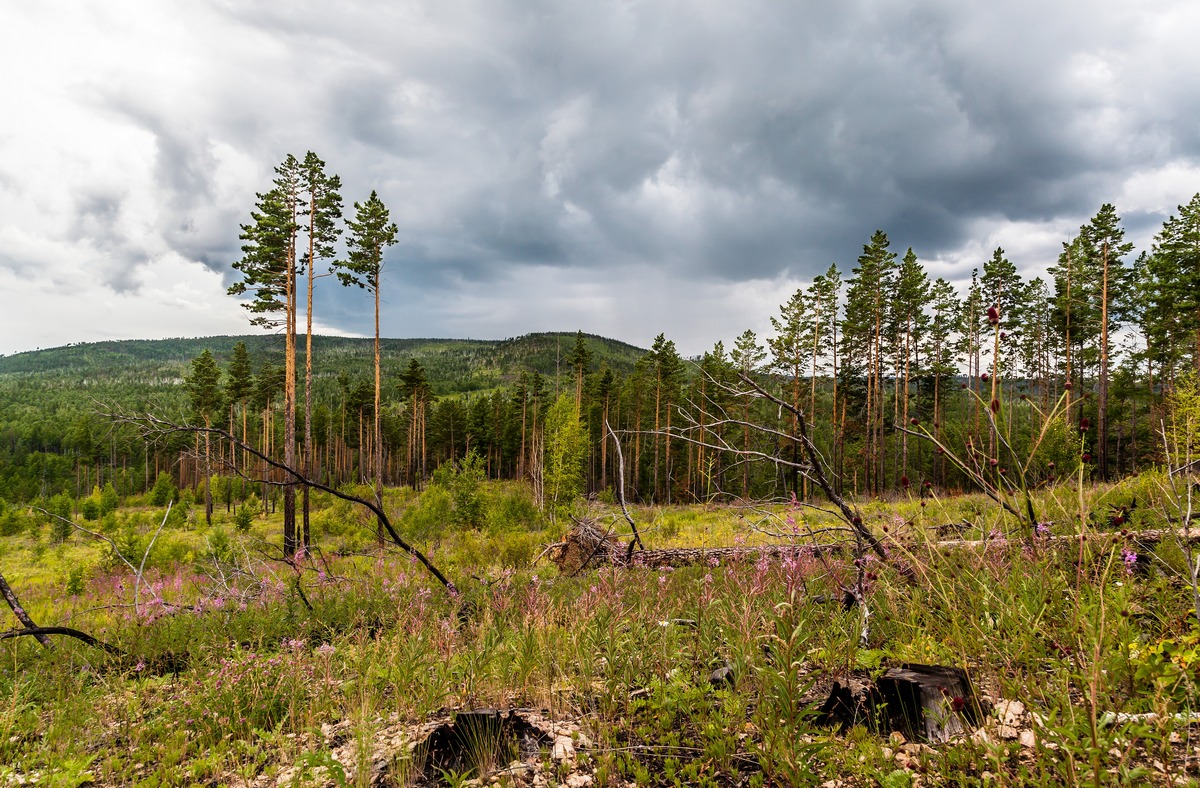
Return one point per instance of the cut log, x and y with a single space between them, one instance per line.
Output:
932 703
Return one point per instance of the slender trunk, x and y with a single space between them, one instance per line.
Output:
289 409
380 531
208 501
1102 394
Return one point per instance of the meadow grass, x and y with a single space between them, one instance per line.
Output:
228 676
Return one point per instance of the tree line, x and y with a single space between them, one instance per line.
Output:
860 350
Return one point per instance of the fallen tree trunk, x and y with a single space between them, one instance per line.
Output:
587 546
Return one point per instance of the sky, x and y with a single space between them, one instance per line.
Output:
618 167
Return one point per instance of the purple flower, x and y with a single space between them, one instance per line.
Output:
1130 558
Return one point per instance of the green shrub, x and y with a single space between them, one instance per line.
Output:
90 509
513 510
109 500
517 550
431 516
163 491
243 518
75 580
10 520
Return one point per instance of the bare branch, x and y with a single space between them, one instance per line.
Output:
151 425
15 604
41 634
621 491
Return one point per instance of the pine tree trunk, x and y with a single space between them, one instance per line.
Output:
1102 398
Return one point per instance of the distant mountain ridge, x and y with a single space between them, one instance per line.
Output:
453 365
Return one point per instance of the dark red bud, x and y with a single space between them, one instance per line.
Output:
995 405
994 462
1050 464
993 315
1085 424
1004 335
985 377
1067 386
1087 457
914 421
904 481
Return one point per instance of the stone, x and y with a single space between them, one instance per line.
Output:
564 749
1010 712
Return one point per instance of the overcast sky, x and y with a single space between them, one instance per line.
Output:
625 168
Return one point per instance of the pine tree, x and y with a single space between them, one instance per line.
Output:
1106 240
867 297
416 391
322 208
943 350
239 385
909 326
204 395
1172 317
580 359
748 357
668 375
268 266
791 351
371 231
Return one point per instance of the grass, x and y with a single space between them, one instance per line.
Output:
242 685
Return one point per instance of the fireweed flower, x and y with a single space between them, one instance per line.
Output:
1130 558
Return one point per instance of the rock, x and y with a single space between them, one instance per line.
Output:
1027 739
1007 732
564 749
721 677
578 780
1010 712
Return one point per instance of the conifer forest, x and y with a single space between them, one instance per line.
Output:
919 532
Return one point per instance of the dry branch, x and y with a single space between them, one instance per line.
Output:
153 426
15 604
41 634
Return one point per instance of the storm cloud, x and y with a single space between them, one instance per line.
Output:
626 168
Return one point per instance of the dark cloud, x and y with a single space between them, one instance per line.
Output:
574 145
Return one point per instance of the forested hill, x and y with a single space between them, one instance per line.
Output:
452 365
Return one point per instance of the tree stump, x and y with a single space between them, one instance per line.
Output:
930 703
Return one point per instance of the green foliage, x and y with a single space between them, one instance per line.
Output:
430 517
90 508
163 491
243 518
109 500
11 521
512 509
76 579
464 479
565 447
